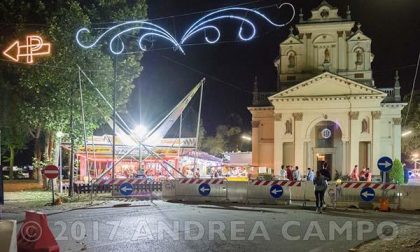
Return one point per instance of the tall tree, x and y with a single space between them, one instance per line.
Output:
47 88
411 122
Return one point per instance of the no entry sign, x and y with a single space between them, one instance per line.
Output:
51 171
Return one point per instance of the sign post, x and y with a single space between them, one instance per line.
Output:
204 189
51 172
276 191
385 165
1 192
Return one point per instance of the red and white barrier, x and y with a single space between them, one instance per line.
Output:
360 185
276 182
200 181
133 181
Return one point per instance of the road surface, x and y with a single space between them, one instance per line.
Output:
162 226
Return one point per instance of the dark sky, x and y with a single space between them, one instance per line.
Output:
393 25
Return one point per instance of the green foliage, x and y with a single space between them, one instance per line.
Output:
47 89
397 172
411 143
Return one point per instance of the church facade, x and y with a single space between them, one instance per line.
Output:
327 108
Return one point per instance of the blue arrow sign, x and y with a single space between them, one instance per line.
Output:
385 164
367 194
126 189
276 191
204 189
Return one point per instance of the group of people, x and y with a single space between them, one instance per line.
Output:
363 175
320 180
293 174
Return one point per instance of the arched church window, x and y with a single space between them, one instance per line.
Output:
288 127
327 56
365 126
359 56
292 60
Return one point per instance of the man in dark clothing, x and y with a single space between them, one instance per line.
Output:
326 173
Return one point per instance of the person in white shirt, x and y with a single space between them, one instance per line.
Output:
283 173
310 176
296 174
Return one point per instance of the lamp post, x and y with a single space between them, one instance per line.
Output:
140 131
59 135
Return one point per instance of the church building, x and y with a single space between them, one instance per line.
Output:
326 107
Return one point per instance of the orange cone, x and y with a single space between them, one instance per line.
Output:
35 235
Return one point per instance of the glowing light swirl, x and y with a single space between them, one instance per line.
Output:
152 30
203 23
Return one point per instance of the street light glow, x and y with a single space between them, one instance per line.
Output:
140 131
406 133
247 138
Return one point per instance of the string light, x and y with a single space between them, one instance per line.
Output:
202 24
153 30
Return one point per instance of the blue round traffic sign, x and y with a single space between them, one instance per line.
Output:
276 191
367 194
126 189
385 164
204 189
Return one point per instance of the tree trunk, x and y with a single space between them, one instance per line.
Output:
38 156
11 161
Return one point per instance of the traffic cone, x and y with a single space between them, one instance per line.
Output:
384 205
35 235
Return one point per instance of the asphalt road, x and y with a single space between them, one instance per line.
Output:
162 226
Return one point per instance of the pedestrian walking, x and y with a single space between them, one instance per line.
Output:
321 185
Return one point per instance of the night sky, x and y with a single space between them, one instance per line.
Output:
230 66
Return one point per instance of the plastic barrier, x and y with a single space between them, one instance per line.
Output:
169 190
271 192
8 235
207 190
365 194
237 191
410 196
35 235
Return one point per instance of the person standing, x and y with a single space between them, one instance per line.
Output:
310 176
321 185
289 173
326 173
368 175
354 175
283 173
296 174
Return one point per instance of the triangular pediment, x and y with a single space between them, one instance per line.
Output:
291 40
328 84
358 36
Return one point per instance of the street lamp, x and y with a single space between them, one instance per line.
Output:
59 135
140 131
246 137
406 133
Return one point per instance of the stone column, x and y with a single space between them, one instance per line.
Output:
299 137
278 144
396 152
345 169
354 138
376 141
255 143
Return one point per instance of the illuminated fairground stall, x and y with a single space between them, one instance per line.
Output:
174 153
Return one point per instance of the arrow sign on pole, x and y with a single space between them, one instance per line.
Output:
204 189
126 189
367 194
385 164
276 191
